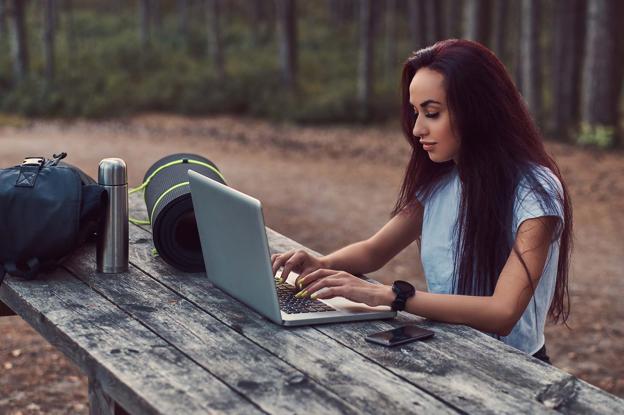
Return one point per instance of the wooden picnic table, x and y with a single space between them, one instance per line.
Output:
159 341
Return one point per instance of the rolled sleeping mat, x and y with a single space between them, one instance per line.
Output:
170 208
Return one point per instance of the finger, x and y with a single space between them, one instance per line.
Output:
333 280
302 275
294 261
330 292
280 260
315 275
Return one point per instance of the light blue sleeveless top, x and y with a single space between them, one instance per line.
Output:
438 245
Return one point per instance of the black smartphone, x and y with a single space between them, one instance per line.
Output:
400 335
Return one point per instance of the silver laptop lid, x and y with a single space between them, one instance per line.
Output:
234 244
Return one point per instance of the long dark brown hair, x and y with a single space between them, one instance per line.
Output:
500 146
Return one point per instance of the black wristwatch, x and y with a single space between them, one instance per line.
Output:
403 290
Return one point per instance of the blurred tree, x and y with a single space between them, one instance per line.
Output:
183 20
19 44
2 20
70 35
477 20
530 65
568 35
365 67
145 19
452 11
500 29
341 11
49 13
155 15
433 21
287 28
416 23
601 83
390 36
214 37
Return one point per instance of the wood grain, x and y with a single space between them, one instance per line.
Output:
462 367
133 366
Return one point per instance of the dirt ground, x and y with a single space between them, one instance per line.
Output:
324 187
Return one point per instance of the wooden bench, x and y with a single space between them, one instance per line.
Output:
158 341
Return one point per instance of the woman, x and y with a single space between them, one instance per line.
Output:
488 203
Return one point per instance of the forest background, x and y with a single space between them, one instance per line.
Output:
304 94
324 61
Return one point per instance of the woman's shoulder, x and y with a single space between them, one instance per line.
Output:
541 179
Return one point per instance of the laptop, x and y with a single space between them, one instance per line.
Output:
237 259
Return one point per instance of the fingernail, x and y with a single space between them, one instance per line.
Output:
313 296
305 293
301 282
298 295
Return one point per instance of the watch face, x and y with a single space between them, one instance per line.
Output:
404 288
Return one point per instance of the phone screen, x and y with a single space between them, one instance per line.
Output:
399 335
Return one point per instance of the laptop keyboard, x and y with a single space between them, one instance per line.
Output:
293 305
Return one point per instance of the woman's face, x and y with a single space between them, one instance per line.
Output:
433 120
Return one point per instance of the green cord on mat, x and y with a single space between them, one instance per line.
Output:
139 221
151 176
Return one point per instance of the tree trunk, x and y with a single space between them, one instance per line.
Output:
453 19
70 36
2 20
19 45
214 37
433 19
530 62
391 36
500 28
365 67
156 17
49 7
287 28
183 20
569 31
417 26
600 78
145 18
477 20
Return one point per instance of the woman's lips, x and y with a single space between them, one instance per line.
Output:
428 146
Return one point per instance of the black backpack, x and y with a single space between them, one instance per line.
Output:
47 209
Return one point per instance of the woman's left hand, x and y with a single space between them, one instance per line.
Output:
329 283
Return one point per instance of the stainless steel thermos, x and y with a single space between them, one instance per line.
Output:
112 245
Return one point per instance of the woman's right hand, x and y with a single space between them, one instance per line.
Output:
298 261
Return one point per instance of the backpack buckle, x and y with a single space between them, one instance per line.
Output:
33 161
28 172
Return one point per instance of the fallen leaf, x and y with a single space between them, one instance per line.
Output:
16 352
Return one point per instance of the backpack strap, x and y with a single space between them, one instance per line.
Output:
32 268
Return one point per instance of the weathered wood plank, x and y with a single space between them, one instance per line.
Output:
134 366
462 366
5 310
273 385
363 384
99 402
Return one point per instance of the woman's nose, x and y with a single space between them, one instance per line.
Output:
419 128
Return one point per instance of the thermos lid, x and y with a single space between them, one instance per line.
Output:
112 172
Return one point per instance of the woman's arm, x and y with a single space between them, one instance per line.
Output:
498 313
372 254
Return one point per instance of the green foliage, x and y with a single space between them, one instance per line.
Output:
601 136
108 73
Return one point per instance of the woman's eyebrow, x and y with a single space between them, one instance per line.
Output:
429 102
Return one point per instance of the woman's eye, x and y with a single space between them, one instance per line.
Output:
432 114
